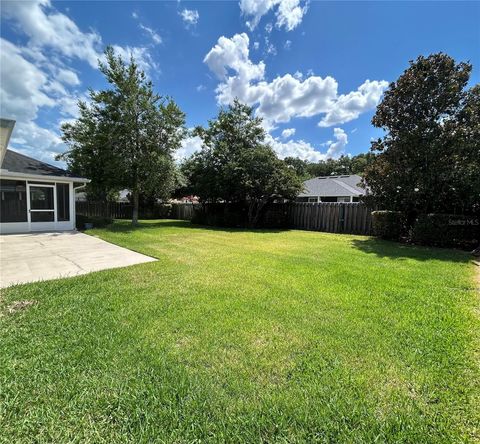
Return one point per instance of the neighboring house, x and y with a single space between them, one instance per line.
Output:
332 189
34 196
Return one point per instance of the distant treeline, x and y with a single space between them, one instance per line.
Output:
331 167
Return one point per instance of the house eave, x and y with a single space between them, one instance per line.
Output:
13 174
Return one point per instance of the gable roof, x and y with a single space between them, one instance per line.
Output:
14 162
334 186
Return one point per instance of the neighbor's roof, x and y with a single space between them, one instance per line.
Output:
14 162
334 186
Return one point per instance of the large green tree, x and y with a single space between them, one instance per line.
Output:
235 164
428 160
125 137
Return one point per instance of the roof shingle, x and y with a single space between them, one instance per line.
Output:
19 163
334 186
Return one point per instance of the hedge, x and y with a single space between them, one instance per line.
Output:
446 230
388 224
97 221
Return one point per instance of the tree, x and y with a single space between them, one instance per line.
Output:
235 164
126 136
428 158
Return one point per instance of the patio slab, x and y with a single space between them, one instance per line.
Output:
43 256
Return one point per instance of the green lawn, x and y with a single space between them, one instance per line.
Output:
246 337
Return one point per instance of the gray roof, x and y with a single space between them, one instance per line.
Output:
19 163
333 186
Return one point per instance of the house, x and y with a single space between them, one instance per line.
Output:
34 196
345 188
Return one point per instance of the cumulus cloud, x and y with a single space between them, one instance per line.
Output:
335 149
190 17
305 150
288 132
295 148
289 13
288 96
189 146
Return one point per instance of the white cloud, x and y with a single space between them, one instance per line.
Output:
288 132
190 17
151 33
270 47
287 45
141 55
232 54
306 151
36 78
49 29
67 76
350 106
200 88
288 96
289 13
23 86
268 27
295 148
157 40
46 27
189 146
256 45
337 148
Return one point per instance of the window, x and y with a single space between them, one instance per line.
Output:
63 202
13 201
313 199
343 199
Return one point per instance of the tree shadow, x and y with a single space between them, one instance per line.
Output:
125 227
396 250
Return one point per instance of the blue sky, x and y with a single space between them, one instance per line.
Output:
313 70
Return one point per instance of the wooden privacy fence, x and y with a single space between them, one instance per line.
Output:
183 211
352 218
115 210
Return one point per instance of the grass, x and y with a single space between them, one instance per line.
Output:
246 337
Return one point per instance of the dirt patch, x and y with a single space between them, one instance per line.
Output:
19 305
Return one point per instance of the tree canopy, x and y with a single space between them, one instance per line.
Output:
236 165
126 135
428 160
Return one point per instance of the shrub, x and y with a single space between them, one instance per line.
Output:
446 230
97 221
220 215
156 211
388 224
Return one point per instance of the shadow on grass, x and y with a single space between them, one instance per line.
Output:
124 226
395 250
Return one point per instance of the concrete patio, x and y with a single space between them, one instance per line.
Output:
43 256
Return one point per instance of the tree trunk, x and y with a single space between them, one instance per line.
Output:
135 208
